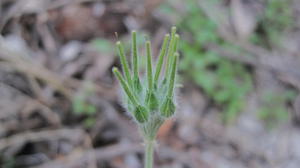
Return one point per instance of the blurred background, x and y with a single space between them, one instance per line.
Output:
239 103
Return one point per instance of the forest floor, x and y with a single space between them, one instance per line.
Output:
60 104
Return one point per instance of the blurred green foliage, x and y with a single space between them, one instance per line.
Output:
227 83
273 110
223 81
276 19
81 105
103 45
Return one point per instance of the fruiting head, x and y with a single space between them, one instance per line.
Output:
150 100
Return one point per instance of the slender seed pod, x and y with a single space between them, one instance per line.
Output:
135 63
125 86
161 58
124 63
172 76
149 66
176 43
171 46
168 108
174 49
141 114
134 56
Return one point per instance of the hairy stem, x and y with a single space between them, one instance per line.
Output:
149 149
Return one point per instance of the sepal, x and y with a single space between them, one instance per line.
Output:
152 101
141 114
168 108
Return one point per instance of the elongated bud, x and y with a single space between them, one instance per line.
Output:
170 49
174 49
134 50
124 63
149 65
161 58
141 114
176 43
172 76
168 108
152 101
125 86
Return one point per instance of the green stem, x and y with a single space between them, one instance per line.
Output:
149 149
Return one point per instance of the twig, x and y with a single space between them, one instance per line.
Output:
52 117
47 135
23 64
21 8
65 85
263 61
81 157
